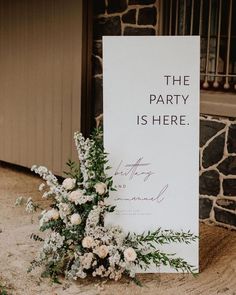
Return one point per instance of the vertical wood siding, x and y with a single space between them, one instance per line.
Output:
40 81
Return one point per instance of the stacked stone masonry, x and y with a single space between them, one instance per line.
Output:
115 18
218 170
217 135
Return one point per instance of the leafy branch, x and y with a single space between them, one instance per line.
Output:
160 258
74 169
162 237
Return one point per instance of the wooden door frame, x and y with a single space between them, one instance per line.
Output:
87 101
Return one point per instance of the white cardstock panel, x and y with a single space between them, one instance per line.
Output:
151 132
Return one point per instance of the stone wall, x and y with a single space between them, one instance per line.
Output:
218 170
118 17
217 135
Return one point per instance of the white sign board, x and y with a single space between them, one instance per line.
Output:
151 132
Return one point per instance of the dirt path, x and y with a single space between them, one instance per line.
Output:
217 255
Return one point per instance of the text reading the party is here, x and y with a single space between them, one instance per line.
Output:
169 99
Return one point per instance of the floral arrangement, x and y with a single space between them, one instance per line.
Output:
77 243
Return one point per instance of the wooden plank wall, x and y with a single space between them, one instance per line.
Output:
40 81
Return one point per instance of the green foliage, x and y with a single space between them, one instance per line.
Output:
110 208
53 225
3 290
98 158
137 282
36 238
164 237
74 170
156 257
159 258
53 270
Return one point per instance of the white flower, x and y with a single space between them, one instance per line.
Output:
100 188
130 254
43 218
64 210
19 201
46 216
75 196
30 206
84 199
99 271
41 187
75 219
86 260
102 251
92 219
53 242
114 258
132 273
69 183
53 214
88 242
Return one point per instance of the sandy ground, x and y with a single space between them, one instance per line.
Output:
217 255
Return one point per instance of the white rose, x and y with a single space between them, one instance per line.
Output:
69 183
75 219
53 214
87 242
102 251
130 254
75 196
100 188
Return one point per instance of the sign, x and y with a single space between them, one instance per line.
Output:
151 132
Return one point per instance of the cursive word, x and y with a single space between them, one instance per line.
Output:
134 169
159 198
